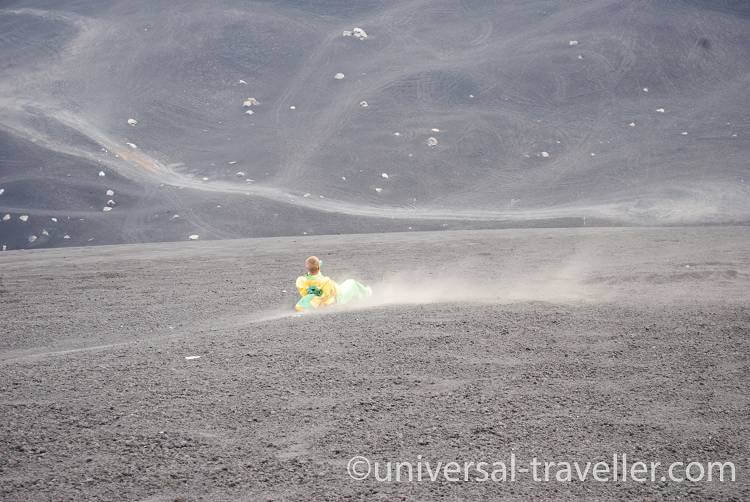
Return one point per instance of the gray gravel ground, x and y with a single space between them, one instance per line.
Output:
564 344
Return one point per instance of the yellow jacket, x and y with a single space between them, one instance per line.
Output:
325 284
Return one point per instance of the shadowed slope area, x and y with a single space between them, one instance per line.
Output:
512 112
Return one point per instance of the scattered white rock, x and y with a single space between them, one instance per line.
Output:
545 154
110 192
339 76
573 43
363 104
358 33
6 217
54 220
66 237
132 122
660 110
190 358
32 238
292 107
378 189
102 174
106 209
384 175
250 102
240 174
250 112
132 145
194 237
24 218
432 141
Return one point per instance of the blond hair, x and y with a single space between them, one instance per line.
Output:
312 264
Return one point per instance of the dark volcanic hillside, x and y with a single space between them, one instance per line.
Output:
448 113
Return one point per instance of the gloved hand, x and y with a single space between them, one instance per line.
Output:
314 290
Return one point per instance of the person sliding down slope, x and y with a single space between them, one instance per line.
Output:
318 291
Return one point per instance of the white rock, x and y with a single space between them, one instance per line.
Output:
356 32
5 247
580 56
242 82
684 133
132 122
363 104
593 154
102 174
44 232
194 237
339 76
343 178
232 162
632 124
573 42
660 110
2 191
545 154
132 145
174 216
384 175
66 236
471 95
435 129
397 133
110 202
645 89
240 174
6 217
190 358
106 209
32 238
432 141
110 192
250 102
378 189
24 218
54 220
250 112
292 107
306 195
204 178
